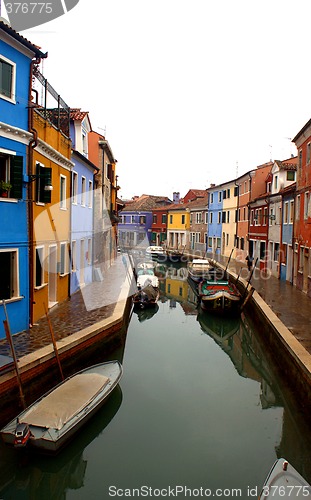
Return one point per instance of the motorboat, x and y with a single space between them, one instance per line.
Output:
53 420
145 275
198 269
283 481
155 252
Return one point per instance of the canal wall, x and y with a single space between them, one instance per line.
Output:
291 358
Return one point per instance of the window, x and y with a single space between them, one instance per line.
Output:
9 284
210 242
306 205
39 273
223 217
218 242
132 219
275 182
62 192
291 212
154 219
198 217
206 217
211 218
90 195
227 239
164 218
183 218
219 217
211 198
300 161
290 175
83 189
11 173
298 207
171 219
228 217
7 79
219 197
242 243
74 188
43 180
236 190
265 216
308 152
142 219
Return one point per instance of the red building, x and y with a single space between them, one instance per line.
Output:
302 222
159 226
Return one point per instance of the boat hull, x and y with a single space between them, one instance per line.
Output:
284 481
219 297
51 439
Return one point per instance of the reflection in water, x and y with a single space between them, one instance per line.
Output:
39 476
147 313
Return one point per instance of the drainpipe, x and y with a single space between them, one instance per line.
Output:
237 215
33 143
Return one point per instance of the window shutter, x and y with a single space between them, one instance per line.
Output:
16 177
46 177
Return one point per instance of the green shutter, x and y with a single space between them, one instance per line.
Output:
16 177
46 178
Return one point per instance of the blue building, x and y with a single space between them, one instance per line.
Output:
17 59
136 221
82 203
215 219
287 232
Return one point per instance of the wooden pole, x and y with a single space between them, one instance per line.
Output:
10 340
54 342
228 260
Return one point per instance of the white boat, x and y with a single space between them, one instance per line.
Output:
146 276
198 269
155 251
284 481
52 420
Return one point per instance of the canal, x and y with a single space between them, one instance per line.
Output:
199 411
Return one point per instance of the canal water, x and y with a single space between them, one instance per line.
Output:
199 412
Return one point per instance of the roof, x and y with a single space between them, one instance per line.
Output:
34 48
77 114
287 165
146 202
301 132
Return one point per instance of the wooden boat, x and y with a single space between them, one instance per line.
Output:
146 297
51 421
219 296
283 481
198 269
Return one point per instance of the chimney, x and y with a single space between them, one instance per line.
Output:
176 197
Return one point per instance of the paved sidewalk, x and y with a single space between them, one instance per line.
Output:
290 305
92 304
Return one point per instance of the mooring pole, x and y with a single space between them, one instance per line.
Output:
10 340
54 342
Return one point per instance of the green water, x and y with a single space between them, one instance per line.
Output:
198 412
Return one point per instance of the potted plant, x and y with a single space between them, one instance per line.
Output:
5 188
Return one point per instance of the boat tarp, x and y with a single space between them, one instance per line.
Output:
58 407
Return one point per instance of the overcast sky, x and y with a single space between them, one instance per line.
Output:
187 93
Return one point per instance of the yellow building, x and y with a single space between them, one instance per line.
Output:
49 208
229 226
178 226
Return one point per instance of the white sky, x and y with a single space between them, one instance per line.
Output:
186 91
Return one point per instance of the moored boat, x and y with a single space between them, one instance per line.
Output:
219 296
146 297
198 269
283 481
155 252
51 421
